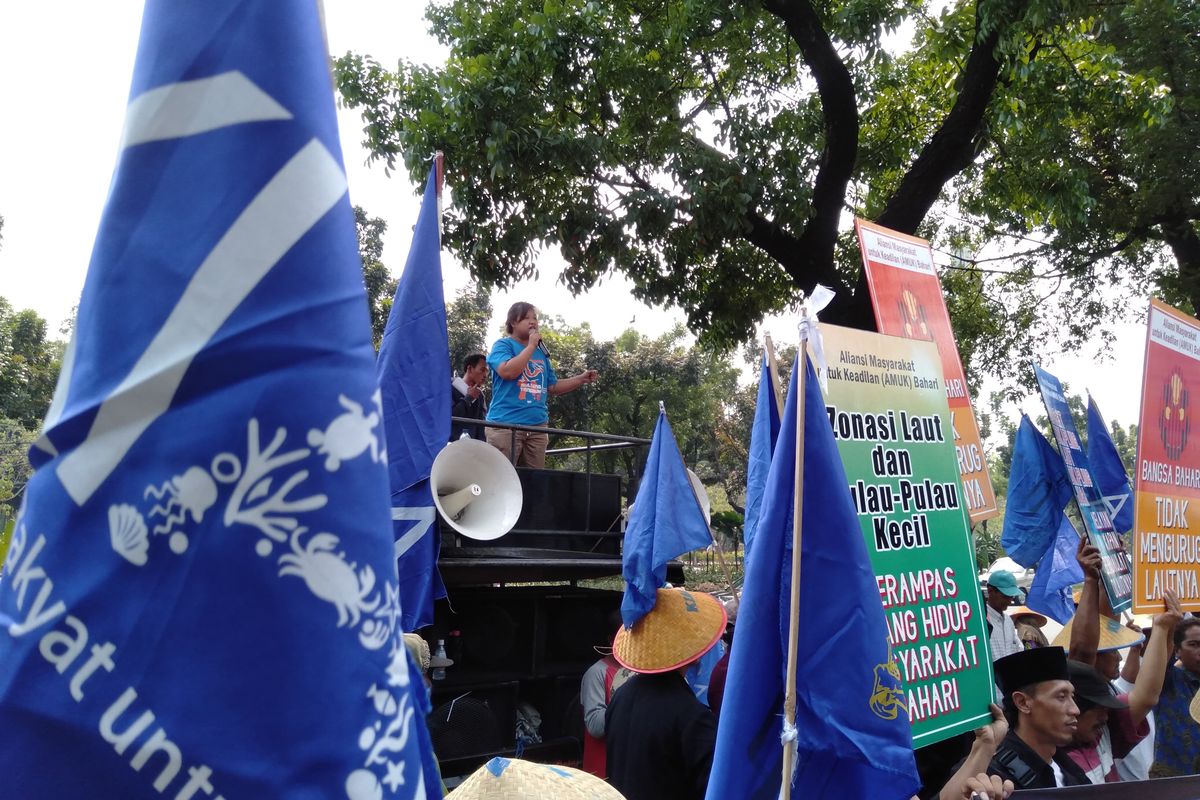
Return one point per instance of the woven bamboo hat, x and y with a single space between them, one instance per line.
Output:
680 628
1113 635
1030 616
513 779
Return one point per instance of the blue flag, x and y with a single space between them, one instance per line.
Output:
1108 471
854 738
762 446
201 598
414 380
1057 572
1038 490
666 522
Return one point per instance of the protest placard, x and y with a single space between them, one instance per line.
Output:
1166 523
887 405
907 297
1116 570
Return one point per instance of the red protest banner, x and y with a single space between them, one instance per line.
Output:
907 297
1166 522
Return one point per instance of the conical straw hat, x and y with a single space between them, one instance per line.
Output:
1113 635
680 628
513 779
1194 707
1032 617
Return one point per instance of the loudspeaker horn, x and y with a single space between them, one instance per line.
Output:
476 489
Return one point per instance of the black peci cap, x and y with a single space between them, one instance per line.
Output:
1031 666
1091 686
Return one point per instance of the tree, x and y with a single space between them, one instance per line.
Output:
467 320
380 286
636 373
14 464
29 365
708 150
1097 165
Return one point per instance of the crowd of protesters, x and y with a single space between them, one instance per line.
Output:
1103 702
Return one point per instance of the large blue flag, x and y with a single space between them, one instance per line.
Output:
201 596
414 379
854 738
666 521
1108 471
763 435
1057 572
1038 490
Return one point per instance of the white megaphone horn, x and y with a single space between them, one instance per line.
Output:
476 489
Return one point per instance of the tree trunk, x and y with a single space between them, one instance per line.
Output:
1185 245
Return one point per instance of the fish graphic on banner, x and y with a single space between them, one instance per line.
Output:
200 597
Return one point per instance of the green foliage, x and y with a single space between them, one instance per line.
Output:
381 288
467 319
681 143
709 150
15 440
636 373
728 524
29 365
1089 177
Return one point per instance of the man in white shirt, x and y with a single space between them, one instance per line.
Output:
1002 592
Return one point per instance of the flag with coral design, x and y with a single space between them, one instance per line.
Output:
201 599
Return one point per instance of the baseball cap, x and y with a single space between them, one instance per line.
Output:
1003 581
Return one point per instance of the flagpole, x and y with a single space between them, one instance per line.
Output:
712 537
789 701
773 368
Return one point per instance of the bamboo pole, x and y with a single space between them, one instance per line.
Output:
773 368
789 701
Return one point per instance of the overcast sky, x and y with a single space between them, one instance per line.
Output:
66 68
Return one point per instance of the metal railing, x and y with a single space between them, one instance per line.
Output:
614 442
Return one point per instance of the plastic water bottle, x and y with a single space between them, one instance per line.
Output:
439 673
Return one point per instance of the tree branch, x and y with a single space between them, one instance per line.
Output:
840 109
954 145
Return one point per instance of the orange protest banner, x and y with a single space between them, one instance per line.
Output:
907 297
1166 521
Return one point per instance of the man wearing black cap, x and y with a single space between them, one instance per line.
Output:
1043 717
1104 719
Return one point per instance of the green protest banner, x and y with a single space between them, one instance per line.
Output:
886 400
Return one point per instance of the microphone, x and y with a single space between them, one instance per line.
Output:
544 349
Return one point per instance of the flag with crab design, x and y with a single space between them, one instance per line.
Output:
200 599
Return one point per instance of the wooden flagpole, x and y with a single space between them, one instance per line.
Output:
773 367
789 700
712 537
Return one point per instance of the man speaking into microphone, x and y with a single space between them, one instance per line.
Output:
522 379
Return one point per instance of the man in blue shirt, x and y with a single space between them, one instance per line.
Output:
522 380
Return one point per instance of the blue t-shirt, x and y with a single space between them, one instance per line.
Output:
523 401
